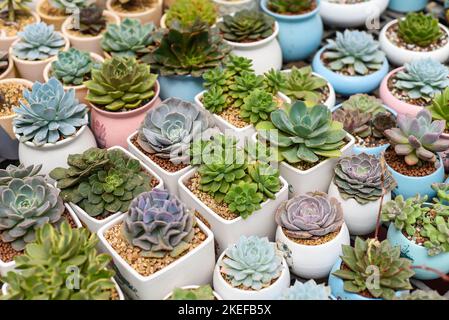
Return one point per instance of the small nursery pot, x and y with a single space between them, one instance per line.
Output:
57 21
7 41
399 56
272 292
88 43
226 7
407 6
33 70
260 223
94 224
360 219
349 85
151 15
53 155
182 87
195 266
299 35
309 261
347 15
216 295
113 128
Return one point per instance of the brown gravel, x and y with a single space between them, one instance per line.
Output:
314 242
397 163
392 35
402 94
370 142
144 265
114 295
52 11
232 115
142 6
22 19
12 93
303 165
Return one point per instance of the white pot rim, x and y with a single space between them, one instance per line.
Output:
255 43
9 38
216 295
131 14
24 82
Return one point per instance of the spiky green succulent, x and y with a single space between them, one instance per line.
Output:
364 103
274 81
243 198
201 293
72 67
355 122
188 12
92 21
266 177
243 85
301 84
421 295
289 7
67 5
369 257
257 106
237 65
309 290
18 172
11 7
214 100
440 106
419 29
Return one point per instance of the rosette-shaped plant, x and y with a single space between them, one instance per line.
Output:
243 85
354 52
188 12
422 79
38 41
301 84
290 6
159 224
309 216
246 26
371 257
201 293
421 295
215 100
129 38
266 177
440 106
169 129
92 21
26 205
309 290
381 122
274 81
72 67
354 121
364 103
303 133
362 178
121 83
252 262
11 7
418 138
48 113
68 4
19 172
419 29
243 198
257 106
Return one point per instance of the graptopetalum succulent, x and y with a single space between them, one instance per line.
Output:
360 177
308 290
290 6
204 292
418 138
11 7
252 262
419 29
309 216
72 67
243 198
159 224
364 103
370 258
257 106
301 84
45 267
92 21
19 172
440 106
188 12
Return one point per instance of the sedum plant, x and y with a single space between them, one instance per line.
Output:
48 113
364 103
289 7
353 52
252 262
72 67
45 267
266 177
257 106
355 122
246 26
308 290
243 198
91 20
309 216
419 29
121 84
274 81
301 84
12 7
159 224
38 41
18 172
201 293
188 12
440 106
421 295
369 257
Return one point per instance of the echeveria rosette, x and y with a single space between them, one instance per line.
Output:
72 67
188 12
19 172
243 198
274 81
252 262
266 177
419 29
364 103
302 84
257 106
381 122
308 290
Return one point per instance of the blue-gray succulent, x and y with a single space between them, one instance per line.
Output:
72 66
309 290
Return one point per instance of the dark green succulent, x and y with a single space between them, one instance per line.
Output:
266 177
289 7
419 29
188 12
258 151
257 106
236 65
243 198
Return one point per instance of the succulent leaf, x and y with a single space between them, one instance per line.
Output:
301 84
188 12
419 29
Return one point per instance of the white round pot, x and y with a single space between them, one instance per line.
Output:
360 219
151 15
7 41
216 295
312 262
10 72
226 7
399 56
352 15
88 43
272 292
33 70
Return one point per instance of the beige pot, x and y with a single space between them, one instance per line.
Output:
33 70
88 43
56 21
152 15
5 41
10 72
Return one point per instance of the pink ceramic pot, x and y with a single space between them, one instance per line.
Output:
113 128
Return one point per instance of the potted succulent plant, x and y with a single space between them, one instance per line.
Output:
366 118
440 111
407 6
416 36
225 7
182 56
86 33
54 12
410 88
204 292
251 269
310 150
300 26
352 62
36 45
14 16
144 10
310 232
72 68
252 34
308 290
421 230
170 246
352 277
361 182
120 92
62 252
351 13
188 12
165 137
412 157
51 124
99 184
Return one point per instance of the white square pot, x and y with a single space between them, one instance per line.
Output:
227 232
94 224
170 178
195 266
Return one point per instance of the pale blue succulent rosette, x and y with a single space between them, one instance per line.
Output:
407 5
308 290
183 87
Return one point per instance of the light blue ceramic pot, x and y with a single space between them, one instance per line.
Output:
407 5
299 35
183 87
410 186
418 255
349 85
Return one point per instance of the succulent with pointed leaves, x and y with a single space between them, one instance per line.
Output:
364 103
201 293
215 99
258 151
301 84
243 198
72 67
274 81
243 86
289 7
257 106
355 122
436 231
188 12
266 177
18 172
92 21
309 290
440 106
419 29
